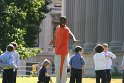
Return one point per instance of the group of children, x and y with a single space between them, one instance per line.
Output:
9 62
102 60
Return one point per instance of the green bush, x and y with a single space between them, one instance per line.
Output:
28 52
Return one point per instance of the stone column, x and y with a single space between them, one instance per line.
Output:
105 21
63 8
118 25
79 20
41 35
91 24
46 33
70 11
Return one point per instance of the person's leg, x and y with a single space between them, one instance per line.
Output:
46 79
97 76
79 76
10 76
108 73
63 69
73 76
15 74
57 62
103 76
4 80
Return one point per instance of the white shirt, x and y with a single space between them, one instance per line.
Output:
99 60
16 58
109 56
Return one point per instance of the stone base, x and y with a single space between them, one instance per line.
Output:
88 47
42 56
89 67
116 46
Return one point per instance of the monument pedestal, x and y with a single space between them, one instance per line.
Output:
116 46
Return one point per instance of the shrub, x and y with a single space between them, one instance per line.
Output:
28 52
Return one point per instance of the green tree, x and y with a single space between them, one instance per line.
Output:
20 20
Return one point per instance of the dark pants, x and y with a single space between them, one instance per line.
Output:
8 76
15 74
76 75
108 75
101 74
45 79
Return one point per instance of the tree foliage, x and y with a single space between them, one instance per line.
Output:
19 21
27 52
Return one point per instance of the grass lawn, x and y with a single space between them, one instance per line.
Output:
34 80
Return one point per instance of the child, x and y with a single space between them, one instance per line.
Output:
7 64
43 76
108 56
77 66
99 60
16 59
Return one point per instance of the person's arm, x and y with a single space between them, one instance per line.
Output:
113 56
45 71
52 42
72 36
83 69
83 65
0 62
46 74
18 60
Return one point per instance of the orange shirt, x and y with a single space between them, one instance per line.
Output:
61 40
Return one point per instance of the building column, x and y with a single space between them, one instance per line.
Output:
105 21
46 33
118 25
63 10
79 20
91 24
70 11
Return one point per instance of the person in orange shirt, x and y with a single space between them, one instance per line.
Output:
61 39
